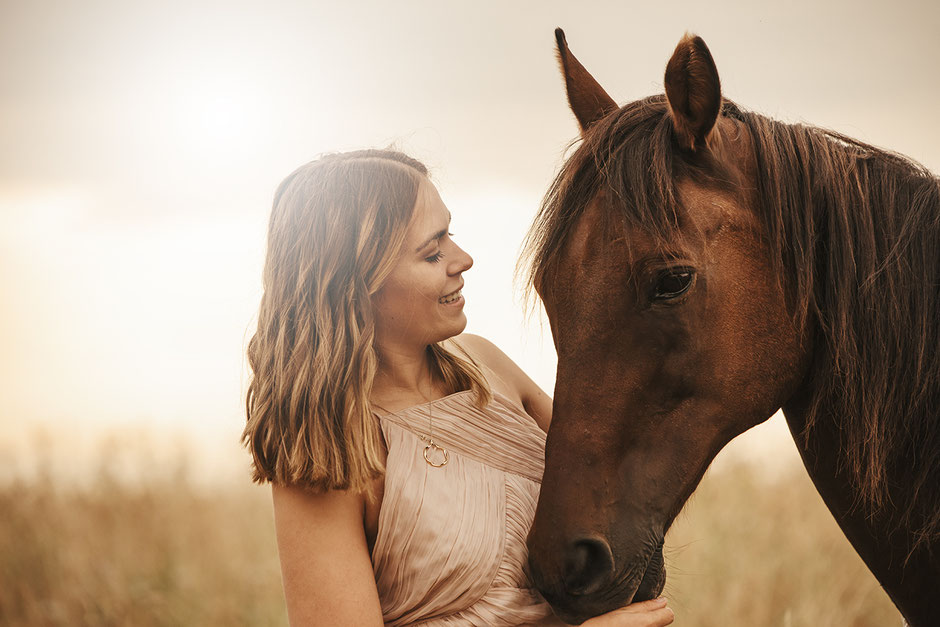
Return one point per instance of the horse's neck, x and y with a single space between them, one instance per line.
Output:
912 580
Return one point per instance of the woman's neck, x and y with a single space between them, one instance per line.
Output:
403 371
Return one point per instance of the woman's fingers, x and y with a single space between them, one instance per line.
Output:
661 617
652 613
643 606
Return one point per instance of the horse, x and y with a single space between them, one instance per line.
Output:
701 267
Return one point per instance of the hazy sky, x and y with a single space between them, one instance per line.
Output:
140 144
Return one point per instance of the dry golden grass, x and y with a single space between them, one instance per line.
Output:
755 551
154 555
164 552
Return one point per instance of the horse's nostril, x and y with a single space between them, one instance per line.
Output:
588 566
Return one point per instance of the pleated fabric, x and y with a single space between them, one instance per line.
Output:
450 548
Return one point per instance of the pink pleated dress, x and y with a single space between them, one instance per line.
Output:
450 548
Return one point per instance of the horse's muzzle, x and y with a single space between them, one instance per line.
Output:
589 586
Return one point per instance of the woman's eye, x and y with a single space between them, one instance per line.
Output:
435 257
673 283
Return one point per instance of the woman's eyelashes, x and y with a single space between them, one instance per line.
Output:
438 255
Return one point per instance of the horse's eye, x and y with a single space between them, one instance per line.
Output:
673 283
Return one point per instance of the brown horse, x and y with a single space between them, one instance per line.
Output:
701 267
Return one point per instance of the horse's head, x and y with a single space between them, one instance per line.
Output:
669 319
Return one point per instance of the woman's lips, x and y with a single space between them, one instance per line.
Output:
451 299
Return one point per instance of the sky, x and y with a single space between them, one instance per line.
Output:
141 142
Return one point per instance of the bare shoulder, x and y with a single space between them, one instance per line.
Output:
486 354
505 376
480 349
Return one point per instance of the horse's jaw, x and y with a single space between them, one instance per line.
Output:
596 543
607 488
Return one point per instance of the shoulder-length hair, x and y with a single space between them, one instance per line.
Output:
336 230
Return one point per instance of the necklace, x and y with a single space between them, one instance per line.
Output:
434 454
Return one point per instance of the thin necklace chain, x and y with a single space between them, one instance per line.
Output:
434 454
432 447
431 420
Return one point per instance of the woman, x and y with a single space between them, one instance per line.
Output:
404 456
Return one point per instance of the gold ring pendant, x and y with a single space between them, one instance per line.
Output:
427 454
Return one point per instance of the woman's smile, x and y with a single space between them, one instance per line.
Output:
454 299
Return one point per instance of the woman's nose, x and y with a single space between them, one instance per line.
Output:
461 261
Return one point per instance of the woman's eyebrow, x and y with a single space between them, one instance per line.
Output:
437 235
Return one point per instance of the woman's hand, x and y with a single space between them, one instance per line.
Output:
652 613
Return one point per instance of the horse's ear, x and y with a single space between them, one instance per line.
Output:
587 98
693 91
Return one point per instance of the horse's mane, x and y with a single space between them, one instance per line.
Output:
855 231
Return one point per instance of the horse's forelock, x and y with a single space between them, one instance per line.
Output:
627 156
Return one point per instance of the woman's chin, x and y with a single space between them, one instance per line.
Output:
455 326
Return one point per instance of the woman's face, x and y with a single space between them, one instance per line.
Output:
421 301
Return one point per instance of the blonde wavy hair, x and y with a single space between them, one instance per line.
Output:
336 231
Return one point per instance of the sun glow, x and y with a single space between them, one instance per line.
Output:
219 115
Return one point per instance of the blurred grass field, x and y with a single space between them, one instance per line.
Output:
158 550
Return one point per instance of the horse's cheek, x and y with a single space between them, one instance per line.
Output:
764 349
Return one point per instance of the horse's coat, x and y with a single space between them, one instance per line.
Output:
701 267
